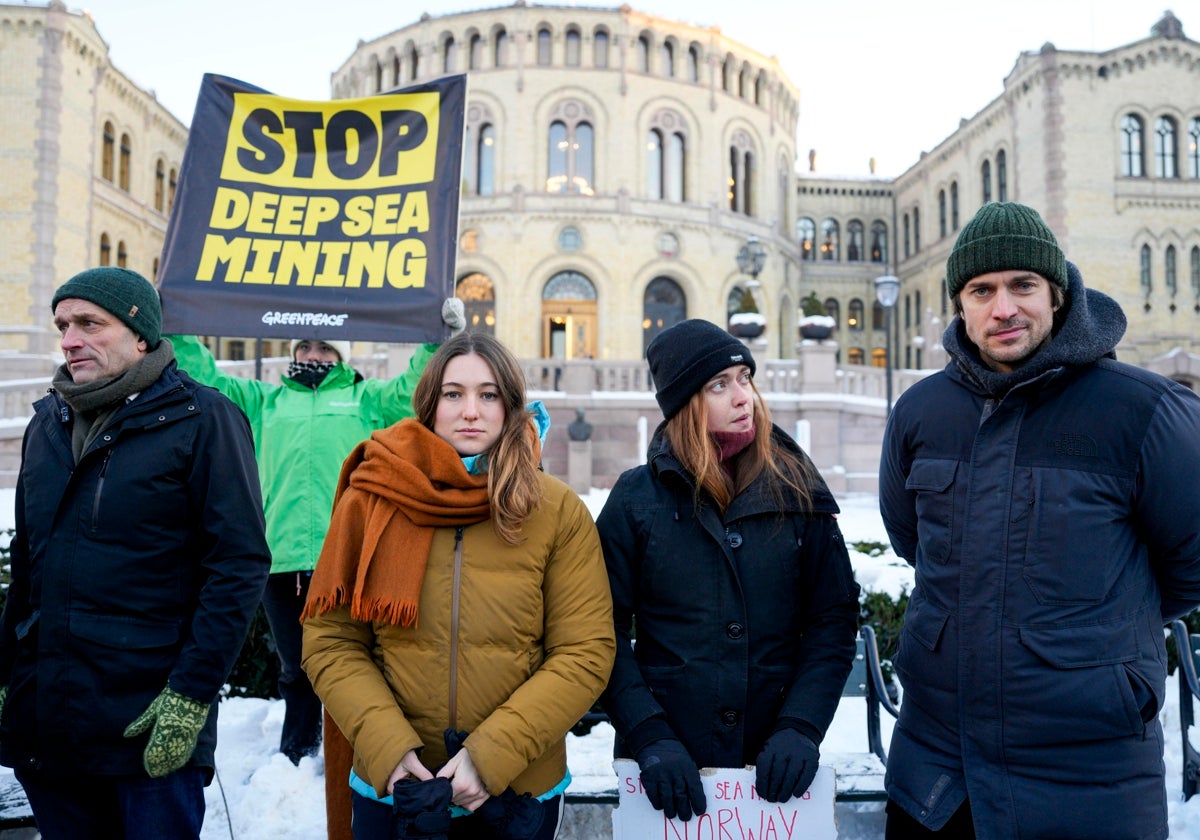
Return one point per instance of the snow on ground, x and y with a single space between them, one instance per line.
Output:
259 795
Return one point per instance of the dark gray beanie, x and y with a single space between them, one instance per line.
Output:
685 356
126 294
1005 236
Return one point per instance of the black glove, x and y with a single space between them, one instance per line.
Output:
786 766
511 815
421 809
671 779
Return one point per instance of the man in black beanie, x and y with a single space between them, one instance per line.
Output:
1045 494
138 560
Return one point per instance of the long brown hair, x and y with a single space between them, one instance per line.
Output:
513 486
786 473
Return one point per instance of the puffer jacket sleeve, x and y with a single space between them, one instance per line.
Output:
1168 513
579 651
830 628
897 504
194 358
337 658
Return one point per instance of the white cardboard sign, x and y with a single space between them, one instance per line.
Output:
734 810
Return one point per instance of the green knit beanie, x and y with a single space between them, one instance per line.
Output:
1004 236
126 294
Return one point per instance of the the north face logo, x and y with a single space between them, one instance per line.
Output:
1074 443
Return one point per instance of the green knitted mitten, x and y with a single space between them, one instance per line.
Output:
176 722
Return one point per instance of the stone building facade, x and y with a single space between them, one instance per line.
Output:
88 165
615 165
1105 144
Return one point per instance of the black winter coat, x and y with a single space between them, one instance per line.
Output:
138 567
745 622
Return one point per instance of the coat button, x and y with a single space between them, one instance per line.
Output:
734 539
734 630
729 717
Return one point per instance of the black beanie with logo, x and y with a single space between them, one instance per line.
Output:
685 356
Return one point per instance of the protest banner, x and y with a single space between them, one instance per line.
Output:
333 220
734 810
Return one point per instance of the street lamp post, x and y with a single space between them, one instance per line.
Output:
887 292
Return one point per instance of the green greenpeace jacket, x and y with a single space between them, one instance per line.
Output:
301 437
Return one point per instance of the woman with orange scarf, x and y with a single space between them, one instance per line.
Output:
461 593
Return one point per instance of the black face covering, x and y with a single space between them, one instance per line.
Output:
310 374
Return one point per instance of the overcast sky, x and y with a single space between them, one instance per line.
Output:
878 78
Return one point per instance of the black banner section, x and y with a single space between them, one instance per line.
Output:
334 220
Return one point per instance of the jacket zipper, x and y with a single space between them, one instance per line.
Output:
454 604
100 490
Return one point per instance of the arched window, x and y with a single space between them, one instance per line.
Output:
1195 274
878 316
855 355
668 59
1001 176
985 176
573 47
1144 275
854 315
172 180
693 64
728 72
906 236
569 285
830 234
414 63
1132 132
1169 280
448 54
600 48
854 241
1193 148
475 51
395 71
160 185
122 255
643 54
105 250
941 214
664 305
478 294
479 164
743 90
126 155
879 242
543 46
806 233
917 229
107 152
571 152
1166 159
760 87
666 146
954 205
833 310
500 50
741 174
378 76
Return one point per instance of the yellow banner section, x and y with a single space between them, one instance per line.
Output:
362 144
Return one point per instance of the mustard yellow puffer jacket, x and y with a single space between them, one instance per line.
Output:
531 651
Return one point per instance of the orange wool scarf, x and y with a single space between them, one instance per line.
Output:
403 481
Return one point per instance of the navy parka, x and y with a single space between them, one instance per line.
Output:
1053 523
744 622
139 566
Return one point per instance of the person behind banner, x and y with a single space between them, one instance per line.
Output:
138 560
724 551
303 430
460 593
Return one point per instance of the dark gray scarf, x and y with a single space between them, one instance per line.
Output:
95 403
